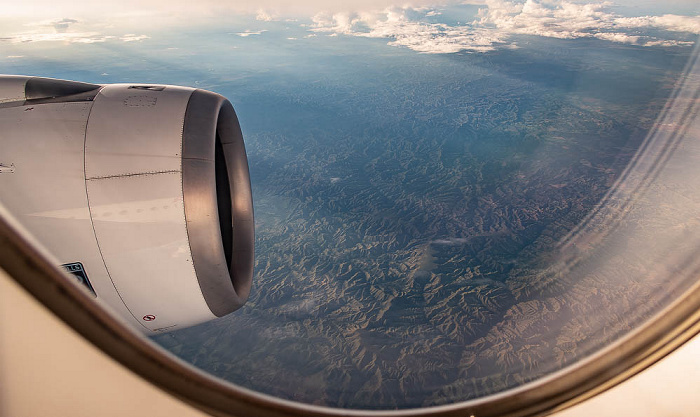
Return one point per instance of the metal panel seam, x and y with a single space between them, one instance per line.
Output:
97 241
131 174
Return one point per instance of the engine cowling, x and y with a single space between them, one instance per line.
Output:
141 191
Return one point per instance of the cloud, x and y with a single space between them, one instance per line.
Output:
669 22
264 16
617 37
58 25
559 19
63 24
67 31
250 33
130 37
567 20
497 24
72 37
420 36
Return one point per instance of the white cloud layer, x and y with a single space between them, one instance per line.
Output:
130 37
419 36
497 23
265 16
250 33
415 26
67 31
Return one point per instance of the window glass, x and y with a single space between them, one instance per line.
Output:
451 200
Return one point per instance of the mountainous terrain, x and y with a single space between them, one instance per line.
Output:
407 211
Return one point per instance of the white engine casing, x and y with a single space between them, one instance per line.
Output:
146 186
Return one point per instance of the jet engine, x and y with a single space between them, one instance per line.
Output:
140 191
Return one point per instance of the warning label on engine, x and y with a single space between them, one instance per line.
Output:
76 269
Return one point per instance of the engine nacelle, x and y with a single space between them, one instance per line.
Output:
141 191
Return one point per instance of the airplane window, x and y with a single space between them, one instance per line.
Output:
452 199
